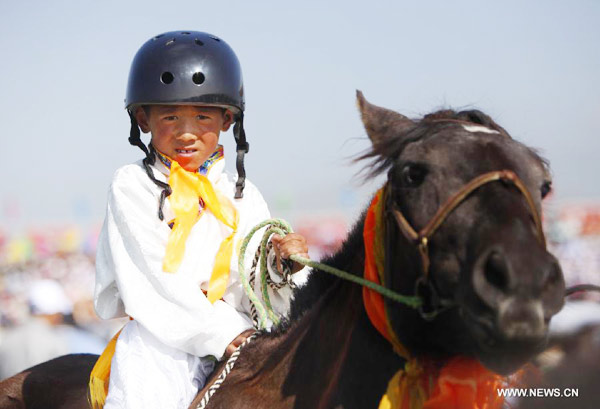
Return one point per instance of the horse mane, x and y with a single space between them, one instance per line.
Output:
473 116
383 153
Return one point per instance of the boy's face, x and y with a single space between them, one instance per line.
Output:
186 133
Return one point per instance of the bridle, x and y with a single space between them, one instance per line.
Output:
422 238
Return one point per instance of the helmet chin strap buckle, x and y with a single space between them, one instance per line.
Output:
244 147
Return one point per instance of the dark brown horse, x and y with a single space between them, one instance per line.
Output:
490 279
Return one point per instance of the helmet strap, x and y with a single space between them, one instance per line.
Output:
134 134
241 148
135 140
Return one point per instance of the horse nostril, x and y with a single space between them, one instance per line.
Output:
492 278
496 271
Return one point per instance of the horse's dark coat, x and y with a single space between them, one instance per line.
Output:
60 383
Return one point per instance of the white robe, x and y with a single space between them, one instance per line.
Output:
170 308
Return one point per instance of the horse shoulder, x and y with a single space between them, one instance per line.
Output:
60 383
256 378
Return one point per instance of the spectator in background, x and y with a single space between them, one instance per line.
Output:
36 341
44 335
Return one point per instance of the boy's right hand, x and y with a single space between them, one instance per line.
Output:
292 243
237 342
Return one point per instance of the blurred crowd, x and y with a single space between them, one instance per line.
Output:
47 281
573 233
46 290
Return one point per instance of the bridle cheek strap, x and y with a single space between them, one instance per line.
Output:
422 238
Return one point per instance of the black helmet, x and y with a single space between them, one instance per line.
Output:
188 68
185 67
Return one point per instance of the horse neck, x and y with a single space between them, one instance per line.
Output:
320 285
334 339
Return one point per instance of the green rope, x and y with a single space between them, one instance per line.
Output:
277 226
411 301
281 227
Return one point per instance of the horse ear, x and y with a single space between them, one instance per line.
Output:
381 123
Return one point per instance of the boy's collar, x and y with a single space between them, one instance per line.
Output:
204 168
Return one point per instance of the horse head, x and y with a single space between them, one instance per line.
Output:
463 231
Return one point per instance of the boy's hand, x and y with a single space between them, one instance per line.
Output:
292 243
237 342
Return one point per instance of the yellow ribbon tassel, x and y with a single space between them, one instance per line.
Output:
187 189
407 389
98 385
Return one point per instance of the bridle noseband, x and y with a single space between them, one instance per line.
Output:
421 239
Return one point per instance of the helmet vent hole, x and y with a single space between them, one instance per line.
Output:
198 78
158 36
185 33
215 38
198 42
171 41
167 77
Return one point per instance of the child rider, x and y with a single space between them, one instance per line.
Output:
167 254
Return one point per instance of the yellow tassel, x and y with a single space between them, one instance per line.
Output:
393 394
187 188
98 385
405 389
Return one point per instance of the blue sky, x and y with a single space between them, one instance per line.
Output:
532 65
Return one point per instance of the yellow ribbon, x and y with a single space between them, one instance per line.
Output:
188 188
98 383
407 389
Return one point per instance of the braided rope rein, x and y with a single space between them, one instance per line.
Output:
263 312
226 370
285 275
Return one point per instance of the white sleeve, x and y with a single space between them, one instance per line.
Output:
129 268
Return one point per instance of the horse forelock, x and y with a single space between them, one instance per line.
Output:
384 152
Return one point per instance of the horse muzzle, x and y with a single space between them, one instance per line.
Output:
522 291
516 293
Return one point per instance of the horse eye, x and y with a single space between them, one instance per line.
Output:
413 175
545 189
